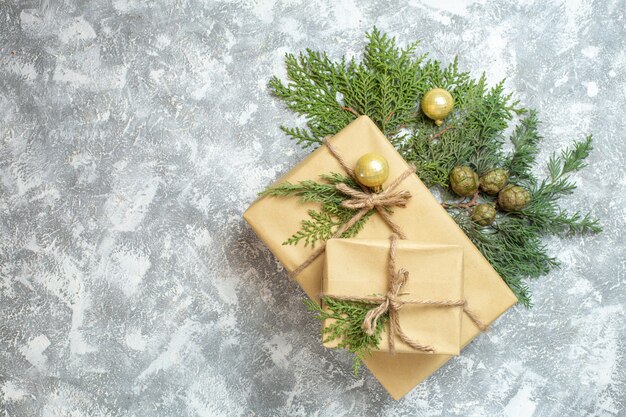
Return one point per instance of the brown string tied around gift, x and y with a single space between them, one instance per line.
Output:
392 303
363 200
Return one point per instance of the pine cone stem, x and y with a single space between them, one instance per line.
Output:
473 202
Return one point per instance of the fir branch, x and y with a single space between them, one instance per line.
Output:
302 136
344 327
322 223
308 191
559 166
312 92
574 158
319 228
332 94
543 212
514 250
525 140
553 220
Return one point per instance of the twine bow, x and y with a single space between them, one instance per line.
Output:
392 303
363 200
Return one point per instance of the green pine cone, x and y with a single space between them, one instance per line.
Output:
464 181
513 198
484 214
493 181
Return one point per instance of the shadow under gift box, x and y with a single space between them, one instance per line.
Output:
275 219
359 268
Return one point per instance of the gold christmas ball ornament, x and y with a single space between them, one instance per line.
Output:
464 181
437 104
484 214
513 198
372 170
493 181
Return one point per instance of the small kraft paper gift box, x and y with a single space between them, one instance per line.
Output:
276 219
429 297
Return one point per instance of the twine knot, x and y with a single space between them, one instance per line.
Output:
362 199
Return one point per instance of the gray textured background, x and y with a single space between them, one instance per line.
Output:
135 133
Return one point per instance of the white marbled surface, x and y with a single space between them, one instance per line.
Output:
135 133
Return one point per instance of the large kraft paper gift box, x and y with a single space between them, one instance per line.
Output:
360 268
423 220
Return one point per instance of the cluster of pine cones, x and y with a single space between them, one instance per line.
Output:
465 182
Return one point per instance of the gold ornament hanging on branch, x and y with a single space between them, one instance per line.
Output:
372 170
437 104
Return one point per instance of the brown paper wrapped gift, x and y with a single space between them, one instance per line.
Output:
359 268
424 220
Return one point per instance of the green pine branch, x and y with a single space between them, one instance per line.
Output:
514 250
525 140
323 223
543 212
346 318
